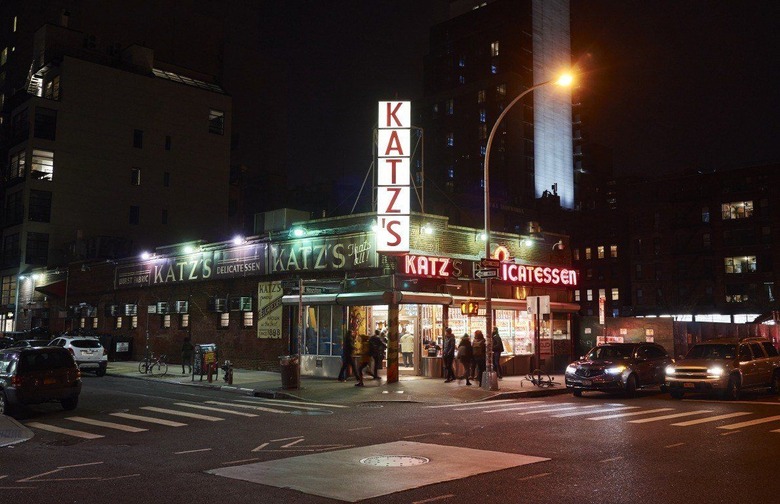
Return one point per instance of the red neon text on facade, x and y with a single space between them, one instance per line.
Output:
439 267
543 275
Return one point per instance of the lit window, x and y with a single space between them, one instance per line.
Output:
494 68
705 214
450 139
737 210
83 323
16 165
216 122
42 165
589 295
450 106
494 46
577 295
462 62
588 255
118 324
249 319
602 293
224 320
482 115
501 90
16 19
135 176
613 251
576 254
600 251
740 264
3 56
185 320
166 321
134 322
482 131
481 96
482 150
615 294
451 173
95 323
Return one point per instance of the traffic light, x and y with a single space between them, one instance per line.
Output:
469 308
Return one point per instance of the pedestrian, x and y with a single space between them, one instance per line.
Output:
376 348
186 354
448 355
407 348
362 357
465 355
498 347
347 357
478 352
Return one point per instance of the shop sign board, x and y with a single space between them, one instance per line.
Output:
393 192
528 274
434 266
269 309
328 253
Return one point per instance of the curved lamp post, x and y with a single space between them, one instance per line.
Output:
490 378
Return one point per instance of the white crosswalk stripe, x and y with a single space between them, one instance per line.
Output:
300 406
248 406
710 419
60 430
141 418
590 412
621 415
187 414
669 417
525 406
750 423
550 410
218 410
493 405
108 425
461 404
297 403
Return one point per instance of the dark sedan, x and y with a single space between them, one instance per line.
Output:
618 367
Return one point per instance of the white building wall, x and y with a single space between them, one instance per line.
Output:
553 156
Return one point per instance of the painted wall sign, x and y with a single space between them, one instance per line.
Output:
348 252
393 193
269 309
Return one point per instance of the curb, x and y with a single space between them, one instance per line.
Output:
12 432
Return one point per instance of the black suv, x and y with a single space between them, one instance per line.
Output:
618 367
36 375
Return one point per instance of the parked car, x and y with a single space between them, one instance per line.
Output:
89 354
726 366
29 343
36 375
6 342
618 367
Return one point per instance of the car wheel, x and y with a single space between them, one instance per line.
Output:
100 372
577 393
631 386
664 389
70 403
776 383
733 389
677 394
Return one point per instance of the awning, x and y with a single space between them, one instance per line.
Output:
371 298
56 288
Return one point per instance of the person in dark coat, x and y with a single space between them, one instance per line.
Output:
498 347
186 354
376 348
478 351
347 359
362 357
448 355
465 356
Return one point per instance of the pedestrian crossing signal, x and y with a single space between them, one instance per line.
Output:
469 308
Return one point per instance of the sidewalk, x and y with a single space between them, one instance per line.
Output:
408 389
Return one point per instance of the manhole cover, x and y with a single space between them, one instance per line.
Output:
369 405
394 461
311 412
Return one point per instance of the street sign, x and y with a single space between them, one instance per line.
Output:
309 289
487 273
489 263
540 304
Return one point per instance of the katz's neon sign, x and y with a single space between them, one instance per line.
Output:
432 266
537 275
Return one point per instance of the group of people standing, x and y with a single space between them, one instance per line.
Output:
362 352
471 355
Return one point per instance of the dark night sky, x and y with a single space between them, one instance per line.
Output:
674 85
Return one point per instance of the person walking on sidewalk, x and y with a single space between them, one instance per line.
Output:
407 348
448 355
376 348
362 357
478 352
347 357
465 355
498 347
186 354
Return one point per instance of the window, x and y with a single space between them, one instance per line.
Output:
118 324
14 208
576 254
501 90
224 320
16 165
589 273
603 293
588 255
167 142
481 96
135 214
249 319
577 295
52 89
11 251
639 295
770 349
16 19
166 321
184 322
494 68
138 139
135 176
600 251
83 322
615 293
589 295
37 248
3 56
705 214
166 179
9 290
134 322
613 251
461 79
450 139
95 323
706 240
736 293
657 246
450 106
40 206
20 126
638 271
482 115
737 210
451 173
482 131
42 167
740 264
216 122
494 47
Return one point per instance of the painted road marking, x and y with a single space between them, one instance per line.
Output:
669 417
611 459
277 401
187 414
551 410
461 404
219 410
750 423
589 412
674 445
619 415
67 432
285 405
434 499
491 405
540 475
516 408
108 425
153 420
247 406
192 451
711 419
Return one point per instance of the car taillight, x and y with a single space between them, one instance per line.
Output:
16 381
71 351
104 351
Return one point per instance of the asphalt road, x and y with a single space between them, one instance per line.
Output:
599 449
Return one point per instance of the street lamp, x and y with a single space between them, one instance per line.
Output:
490 379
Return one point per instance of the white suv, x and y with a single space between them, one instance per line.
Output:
87 351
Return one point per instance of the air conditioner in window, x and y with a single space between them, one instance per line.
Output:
182 306
162 307
245 303
131 310
218 305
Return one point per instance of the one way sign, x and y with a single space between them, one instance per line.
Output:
487 273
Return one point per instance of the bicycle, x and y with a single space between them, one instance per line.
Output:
153 366
538 378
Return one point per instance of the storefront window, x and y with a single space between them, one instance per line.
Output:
324 332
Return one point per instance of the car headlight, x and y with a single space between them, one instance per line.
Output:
670 371
715 371
570 369
615 370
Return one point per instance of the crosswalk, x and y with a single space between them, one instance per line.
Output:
633 414
174 414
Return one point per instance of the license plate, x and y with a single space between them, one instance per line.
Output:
587 383
689 385
49 381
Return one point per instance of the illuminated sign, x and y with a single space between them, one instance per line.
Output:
433 266
393 192
469 308
537 275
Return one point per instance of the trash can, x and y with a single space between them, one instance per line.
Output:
289 365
